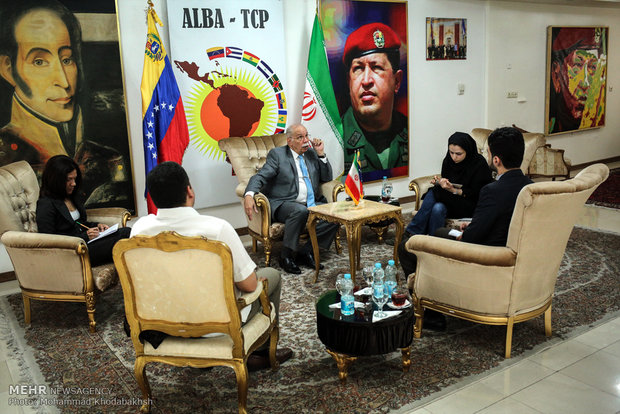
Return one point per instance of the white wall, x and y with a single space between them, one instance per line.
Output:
517 36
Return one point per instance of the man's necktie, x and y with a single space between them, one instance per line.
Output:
310 198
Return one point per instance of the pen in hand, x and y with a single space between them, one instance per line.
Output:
86 227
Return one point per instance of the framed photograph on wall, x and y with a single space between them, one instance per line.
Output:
446 38
576 78
366 43
61 92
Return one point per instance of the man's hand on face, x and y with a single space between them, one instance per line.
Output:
319 147
249 205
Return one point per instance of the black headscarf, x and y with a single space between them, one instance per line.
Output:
461 173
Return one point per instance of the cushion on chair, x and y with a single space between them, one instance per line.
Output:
105 276
219 347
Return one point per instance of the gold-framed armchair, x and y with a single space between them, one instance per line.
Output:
504 285
49 267
247 155
183 286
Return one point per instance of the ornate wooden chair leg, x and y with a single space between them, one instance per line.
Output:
267 248
254 245
143 383
509 336
241 371
90 309
26 300
273 346
406 358
419 318
548 321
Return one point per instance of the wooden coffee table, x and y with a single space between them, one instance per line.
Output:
353 218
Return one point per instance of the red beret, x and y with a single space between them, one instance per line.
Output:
577 38
370 38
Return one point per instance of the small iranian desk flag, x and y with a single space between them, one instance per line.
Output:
353 184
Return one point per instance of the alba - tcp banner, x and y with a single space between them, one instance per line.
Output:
228 58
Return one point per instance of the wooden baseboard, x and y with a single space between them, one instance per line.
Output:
7 276
586 164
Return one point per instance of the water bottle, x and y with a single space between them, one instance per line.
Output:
347 301
390 278
377 280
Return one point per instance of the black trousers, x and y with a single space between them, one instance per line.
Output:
100 251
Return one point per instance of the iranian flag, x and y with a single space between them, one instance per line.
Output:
320 112
353 184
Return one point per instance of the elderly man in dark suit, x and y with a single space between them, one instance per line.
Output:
493 213
291 178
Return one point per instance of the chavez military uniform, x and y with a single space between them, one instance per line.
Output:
355 139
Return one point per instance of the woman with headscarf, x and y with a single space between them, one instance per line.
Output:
463 173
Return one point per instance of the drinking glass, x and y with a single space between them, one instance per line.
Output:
386 194
400 296
380 297
339 283
367 272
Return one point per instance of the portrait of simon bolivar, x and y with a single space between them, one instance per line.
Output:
56 96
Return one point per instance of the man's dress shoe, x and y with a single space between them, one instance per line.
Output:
306 259
289 266
260 359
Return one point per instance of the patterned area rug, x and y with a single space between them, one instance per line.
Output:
608 193
58 349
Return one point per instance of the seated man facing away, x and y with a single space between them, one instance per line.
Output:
291 178
493 212
170 190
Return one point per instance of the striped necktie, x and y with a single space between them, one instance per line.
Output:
310 198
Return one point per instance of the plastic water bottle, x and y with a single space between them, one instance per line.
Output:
347 301
390 277
377 280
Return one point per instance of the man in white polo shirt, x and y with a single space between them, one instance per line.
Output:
170 190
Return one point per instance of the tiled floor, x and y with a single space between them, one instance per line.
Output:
577 375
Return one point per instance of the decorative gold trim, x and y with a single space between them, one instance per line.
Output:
509 321
342 362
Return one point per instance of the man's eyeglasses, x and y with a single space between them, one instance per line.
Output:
301 137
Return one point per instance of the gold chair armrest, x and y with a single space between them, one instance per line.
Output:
461 251
331 189
420 186
247 298
109 215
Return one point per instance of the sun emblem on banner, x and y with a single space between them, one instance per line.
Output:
241 97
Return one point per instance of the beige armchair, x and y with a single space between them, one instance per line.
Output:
192 302
247 155
48 266
504 285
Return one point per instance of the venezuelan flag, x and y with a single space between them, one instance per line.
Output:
164 127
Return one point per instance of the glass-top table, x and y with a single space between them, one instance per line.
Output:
348 337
